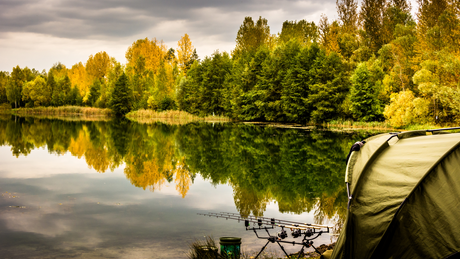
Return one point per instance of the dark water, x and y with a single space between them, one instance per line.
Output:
120 189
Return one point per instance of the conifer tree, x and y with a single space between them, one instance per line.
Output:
364 103
94 92
121 102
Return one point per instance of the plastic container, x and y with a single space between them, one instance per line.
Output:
230 247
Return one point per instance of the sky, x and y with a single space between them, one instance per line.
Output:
40 33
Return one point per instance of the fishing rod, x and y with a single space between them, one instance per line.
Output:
298 229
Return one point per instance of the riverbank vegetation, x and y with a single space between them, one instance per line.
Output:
171 117
375 63
63 110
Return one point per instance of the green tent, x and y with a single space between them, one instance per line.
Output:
404 197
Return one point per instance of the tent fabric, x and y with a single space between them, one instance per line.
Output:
405 198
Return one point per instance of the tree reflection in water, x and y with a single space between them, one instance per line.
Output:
302 171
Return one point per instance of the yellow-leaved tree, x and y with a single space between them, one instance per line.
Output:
78 77
150 51
185 52
182 177
405 109
98 65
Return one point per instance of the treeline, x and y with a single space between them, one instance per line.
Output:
374 62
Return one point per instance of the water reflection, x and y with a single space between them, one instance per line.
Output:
301 171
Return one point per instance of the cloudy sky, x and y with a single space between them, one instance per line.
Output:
40 33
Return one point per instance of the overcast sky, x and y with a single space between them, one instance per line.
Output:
40 33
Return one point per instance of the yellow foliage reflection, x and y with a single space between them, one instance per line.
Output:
182 178
144 174
249 201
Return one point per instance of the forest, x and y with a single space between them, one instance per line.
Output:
375 62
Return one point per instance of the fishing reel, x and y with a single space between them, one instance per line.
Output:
296 233
309 232
282 234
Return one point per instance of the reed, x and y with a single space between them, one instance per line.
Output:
171 117
348 124
63 110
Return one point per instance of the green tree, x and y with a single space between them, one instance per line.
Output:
296 85
273 74
365 105
251 35
215 69
329 86
253 97
74 97
38 91
303 31
121 102
4 77
94 92
14 86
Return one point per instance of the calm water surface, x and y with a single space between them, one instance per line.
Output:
120 189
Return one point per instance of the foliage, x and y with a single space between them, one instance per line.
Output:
185 53
121 97
302 31
405 109
38 91
251 36
4 77
364 103
300 75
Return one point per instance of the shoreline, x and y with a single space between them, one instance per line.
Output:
181 118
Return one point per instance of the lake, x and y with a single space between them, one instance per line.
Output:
120 189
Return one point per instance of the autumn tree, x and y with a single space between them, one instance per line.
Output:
303 31
59 70
185 52
252 35
153 51
347 11
79 78
97 66
371 16
405 109
162 91
329 34
399 59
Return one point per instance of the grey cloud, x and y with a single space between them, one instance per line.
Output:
116 18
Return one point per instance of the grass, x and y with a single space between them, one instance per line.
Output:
348 124
171 117
63 110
